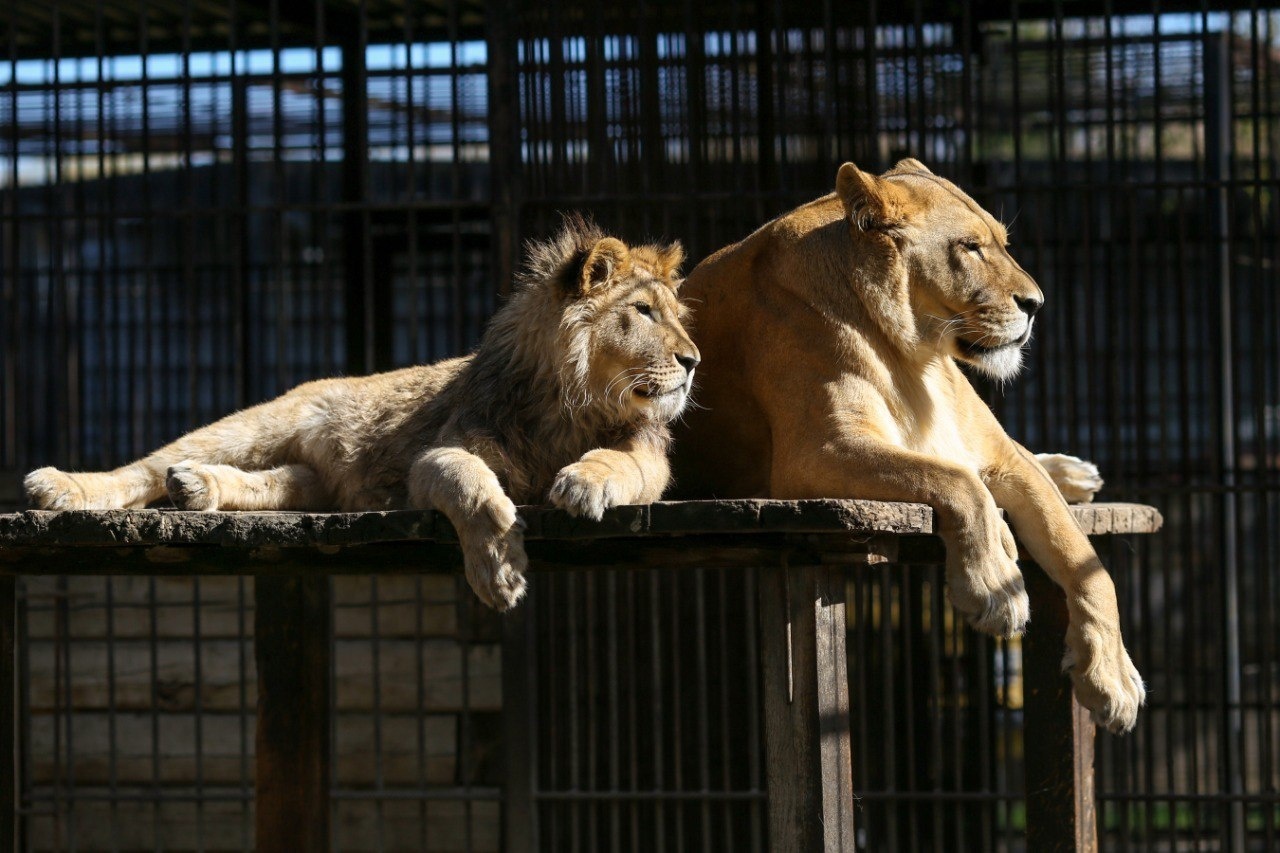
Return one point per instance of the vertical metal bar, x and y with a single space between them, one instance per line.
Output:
420 680
658 705
361 327
242 708
1218 135
242 340
153 660
466 729
9 778
520 726
702 700
375 701
113 751
505 172
197 643
613 664
292 640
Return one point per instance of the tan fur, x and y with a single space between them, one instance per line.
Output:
831 337
567 398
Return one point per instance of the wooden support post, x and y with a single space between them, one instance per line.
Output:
806 709
8 709
292 645
1062 812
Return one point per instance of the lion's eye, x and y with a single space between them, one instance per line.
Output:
973 246
644 308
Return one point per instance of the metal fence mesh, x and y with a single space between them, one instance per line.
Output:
203 202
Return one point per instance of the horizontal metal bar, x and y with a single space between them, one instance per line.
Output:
649 796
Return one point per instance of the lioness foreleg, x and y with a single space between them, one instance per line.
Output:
635 471
983 580
195 486
1106 681
460 485
1076 478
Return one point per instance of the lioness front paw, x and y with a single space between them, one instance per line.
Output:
192 487
1076 479
493 552
49 488
1105 680
985 584
586 489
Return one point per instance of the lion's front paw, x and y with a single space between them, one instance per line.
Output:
1106 681
1077 479
984 583
193 487
585 489
495 559
49 488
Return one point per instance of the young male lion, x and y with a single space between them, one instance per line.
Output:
568 397
831 337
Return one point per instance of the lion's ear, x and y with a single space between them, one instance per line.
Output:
670 259
607 259
871 203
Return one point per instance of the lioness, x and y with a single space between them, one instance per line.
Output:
568 397
831 337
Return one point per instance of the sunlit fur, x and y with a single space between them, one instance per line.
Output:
567 398
831 338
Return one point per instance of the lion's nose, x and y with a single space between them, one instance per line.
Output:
1029 304
688 362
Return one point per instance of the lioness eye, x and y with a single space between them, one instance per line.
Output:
973 246
644 308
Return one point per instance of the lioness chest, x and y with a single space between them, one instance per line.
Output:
926 414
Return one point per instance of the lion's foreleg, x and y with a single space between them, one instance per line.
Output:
635 471
460 485
1105 679
196 486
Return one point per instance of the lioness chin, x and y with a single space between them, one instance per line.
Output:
831 338
567 398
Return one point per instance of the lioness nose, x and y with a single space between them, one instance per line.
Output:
688 362
1029 304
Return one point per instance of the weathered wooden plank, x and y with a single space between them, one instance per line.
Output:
1061 808
285 530
292 774
806 704
391 558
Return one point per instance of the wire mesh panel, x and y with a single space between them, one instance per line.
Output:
205 202
647 707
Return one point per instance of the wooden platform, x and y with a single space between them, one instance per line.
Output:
802 549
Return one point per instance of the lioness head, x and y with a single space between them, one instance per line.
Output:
968 296
626 351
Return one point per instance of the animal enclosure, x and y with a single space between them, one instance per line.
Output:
204 202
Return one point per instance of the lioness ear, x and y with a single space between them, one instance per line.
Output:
607 259
910 164
870 203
